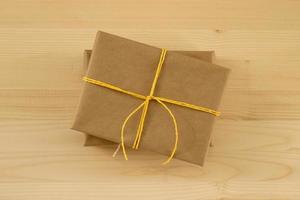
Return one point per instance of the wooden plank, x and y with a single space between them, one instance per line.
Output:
256 152
173 14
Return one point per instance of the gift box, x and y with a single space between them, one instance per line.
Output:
91 140
146 97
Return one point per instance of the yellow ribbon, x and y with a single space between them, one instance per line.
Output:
145 106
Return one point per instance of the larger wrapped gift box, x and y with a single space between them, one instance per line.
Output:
132 65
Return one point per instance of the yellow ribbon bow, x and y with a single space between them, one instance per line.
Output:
145 106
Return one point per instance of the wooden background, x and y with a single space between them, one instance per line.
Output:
256 153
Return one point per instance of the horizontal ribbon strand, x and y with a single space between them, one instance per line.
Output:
179 103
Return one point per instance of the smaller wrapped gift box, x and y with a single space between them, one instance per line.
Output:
131 65
91 140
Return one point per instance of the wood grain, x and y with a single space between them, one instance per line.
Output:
256 152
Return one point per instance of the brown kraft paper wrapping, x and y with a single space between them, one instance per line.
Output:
131 65
91 140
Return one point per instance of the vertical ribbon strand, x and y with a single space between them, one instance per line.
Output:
148 98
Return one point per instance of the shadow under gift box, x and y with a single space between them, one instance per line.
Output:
186 76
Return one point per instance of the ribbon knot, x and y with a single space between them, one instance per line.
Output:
148 98
145 106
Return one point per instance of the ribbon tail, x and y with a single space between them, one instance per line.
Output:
116 151
123 128
176 131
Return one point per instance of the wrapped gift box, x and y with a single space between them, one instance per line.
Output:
132 65
91 140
